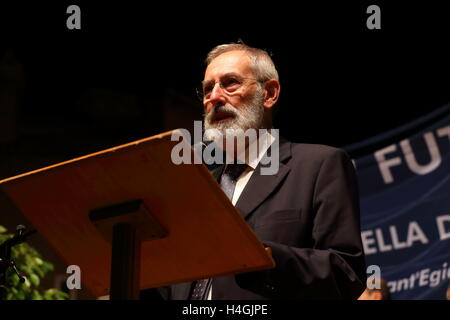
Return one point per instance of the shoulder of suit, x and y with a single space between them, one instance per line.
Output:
317 151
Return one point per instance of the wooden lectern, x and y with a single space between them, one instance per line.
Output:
131 219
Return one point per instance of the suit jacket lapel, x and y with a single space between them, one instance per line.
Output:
259 187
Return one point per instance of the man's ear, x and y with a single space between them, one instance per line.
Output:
271 93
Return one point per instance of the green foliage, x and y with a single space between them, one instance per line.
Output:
31 265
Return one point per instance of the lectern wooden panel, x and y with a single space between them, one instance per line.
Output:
206 236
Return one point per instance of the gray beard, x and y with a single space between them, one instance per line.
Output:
248 116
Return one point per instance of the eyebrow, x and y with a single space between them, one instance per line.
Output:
228 74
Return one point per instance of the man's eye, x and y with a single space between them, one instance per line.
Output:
231 83
207 89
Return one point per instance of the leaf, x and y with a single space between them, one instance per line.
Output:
34 279
26 284
14 280
35 295
25 269
3 229
48 294
47 266
28 259
41 273
61 295
20 295
13 291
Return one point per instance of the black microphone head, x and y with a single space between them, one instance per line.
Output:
20 229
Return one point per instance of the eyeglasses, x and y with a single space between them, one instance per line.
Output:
228 84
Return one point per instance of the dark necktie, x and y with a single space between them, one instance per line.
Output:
230 176
228 183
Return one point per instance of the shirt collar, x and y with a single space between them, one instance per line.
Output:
261 145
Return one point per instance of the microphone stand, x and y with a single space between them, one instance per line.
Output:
5 257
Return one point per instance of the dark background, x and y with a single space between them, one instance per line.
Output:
131 71
115 79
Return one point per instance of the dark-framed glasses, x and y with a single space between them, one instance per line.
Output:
229 84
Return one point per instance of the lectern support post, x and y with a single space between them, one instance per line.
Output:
125 226
125 262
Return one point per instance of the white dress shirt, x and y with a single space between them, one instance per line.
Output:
262 144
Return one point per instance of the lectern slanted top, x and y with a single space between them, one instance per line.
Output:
206 236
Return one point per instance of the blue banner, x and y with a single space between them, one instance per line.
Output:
405 205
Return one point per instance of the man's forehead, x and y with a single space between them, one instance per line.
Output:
229 62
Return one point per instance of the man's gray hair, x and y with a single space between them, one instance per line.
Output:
262 64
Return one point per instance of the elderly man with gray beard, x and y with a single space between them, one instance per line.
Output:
306 213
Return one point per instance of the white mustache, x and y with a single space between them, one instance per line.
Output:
224 108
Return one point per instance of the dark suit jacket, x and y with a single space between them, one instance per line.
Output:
308 214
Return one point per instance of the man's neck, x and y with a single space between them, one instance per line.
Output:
251 151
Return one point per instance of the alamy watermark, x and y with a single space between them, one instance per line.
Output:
373 22
74 20
373 277
74 280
